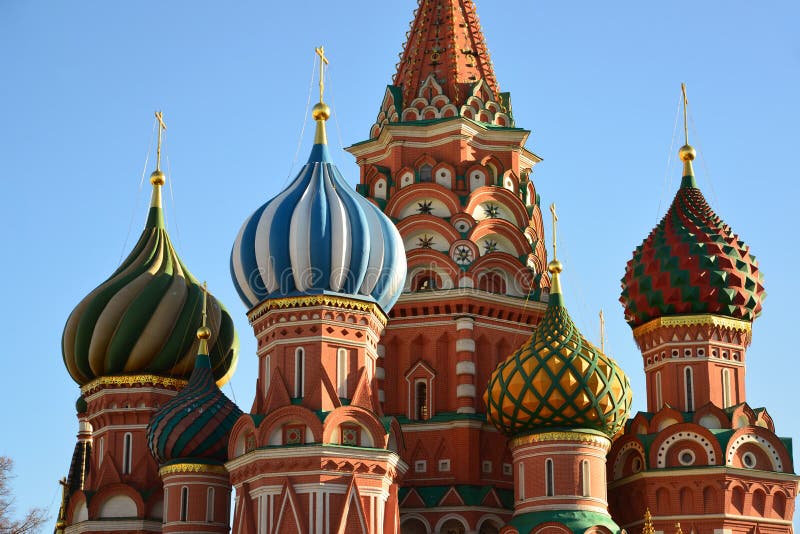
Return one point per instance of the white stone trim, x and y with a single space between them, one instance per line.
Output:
465 323
465 390
465 345
465 368
661 458
763 444
380 373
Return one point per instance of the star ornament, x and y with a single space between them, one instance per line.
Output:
491 210
425 207
425 241
489 246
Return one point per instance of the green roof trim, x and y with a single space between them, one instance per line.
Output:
575 521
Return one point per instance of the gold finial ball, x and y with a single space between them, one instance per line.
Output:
321 111
203 332
687 153
555 267
157 178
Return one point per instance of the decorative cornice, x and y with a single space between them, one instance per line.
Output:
693 320
210 469
542 437
307 301
133 380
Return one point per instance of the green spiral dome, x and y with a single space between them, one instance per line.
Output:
142 320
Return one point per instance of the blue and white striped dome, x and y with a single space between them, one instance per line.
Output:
319 236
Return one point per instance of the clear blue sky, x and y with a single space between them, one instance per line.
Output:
597 83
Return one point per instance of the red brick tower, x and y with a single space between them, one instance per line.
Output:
446 163
319 266
129 345
700 455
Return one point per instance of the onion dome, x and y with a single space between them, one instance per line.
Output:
691 263
557 380
319 236
140 320
196 423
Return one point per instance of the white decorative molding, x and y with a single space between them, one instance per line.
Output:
465 390
465 345
465 368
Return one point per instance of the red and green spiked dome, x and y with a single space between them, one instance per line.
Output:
196 423
691 263
557 380
142 319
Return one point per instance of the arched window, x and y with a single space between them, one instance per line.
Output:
659 398
341 373
184 503
210 505
299 368
127 453
425 281
100 446
425 173
726 388
688 383
586 490
421 400
493 283
549 482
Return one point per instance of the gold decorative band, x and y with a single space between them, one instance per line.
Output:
317 300
543 437
133 380
209 469
693 320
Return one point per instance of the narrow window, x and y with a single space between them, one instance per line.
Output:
267 374
726 388
421 401
659 399
100 447
585 481
184 503
127 453
521 479
341 373
210 505
549 488
299 367
687 373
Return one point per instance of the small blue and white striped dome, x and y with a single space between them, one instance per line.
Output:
319 236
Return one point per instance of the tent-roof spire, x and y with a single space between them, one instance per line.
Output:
687 153
445 39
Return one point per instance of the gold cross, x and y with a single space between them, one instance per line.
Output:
555 221
205 302
685 105
161 128
320 50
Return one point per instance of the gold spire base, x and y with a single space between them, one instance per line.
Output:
155 198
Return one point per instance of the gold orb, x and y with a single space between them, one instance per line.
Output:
321 112
687 153
203 332
555 266
157 178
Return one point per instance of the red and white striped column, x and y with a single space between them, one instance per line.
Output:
465 365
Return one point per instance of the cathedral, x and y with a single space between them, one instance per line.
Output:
418 368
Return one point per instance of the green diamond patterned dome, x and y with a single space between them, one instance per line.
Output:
557 380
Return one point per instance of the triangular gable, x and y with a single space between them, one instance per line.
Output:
412 500
329 392
451 498
353 519
278 395
290 517
109 473
492 500
258 401
363 395
244 512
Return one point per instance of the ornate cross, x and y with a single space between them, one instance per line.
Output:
685 105
555 221
602 332
205 302
320 50
161 128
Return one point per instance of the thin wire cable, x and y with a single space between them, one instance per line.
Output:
335 117
706 174
665 189
305 121
138 197
172 199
